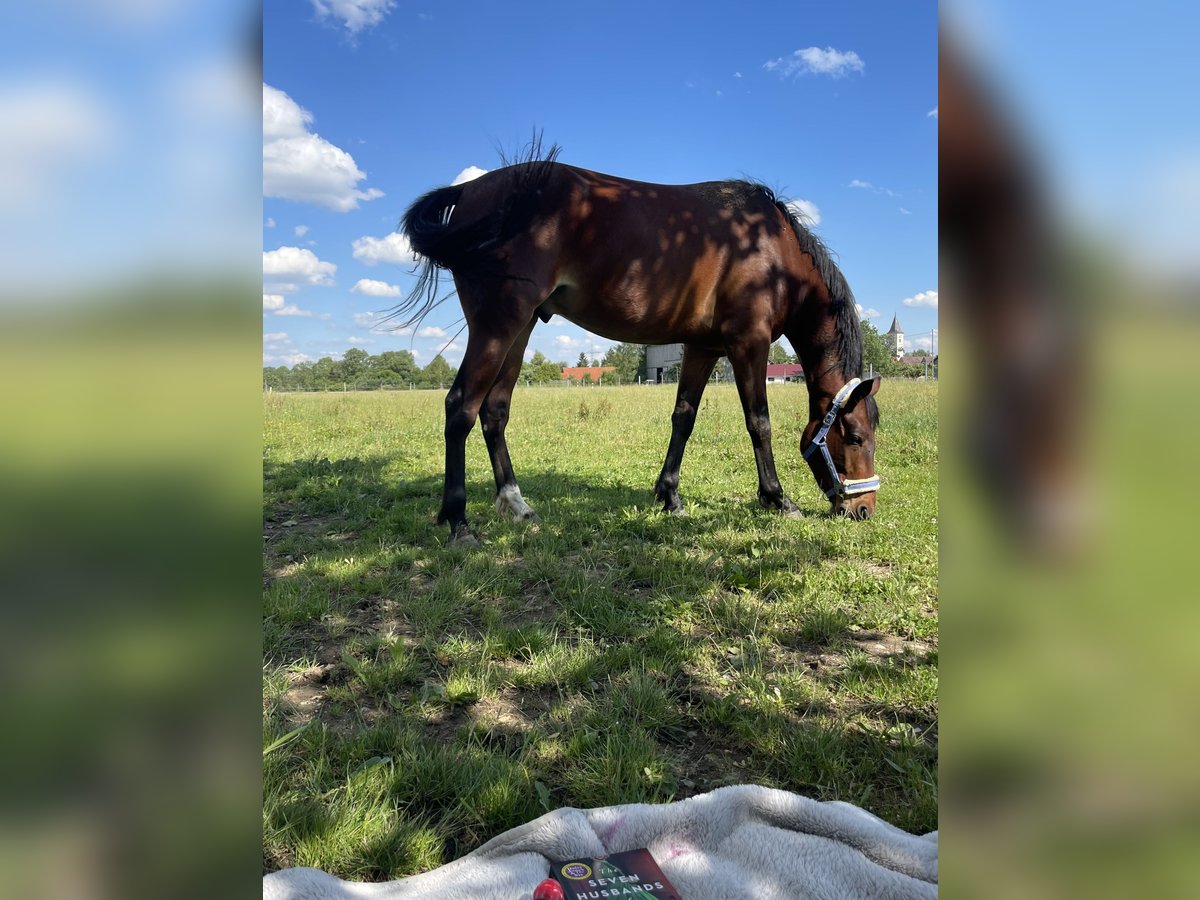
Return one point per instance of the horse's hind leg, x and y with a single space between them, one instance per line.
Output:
697 365
493 419
749 361
487 349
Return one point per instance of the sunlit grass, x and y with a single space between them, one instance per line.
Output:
607 654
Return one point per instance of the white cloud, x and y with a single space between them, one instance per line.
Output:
367 319
905 212
806 211
301 230
360 340
287 359
270 223
297 262
924 341
867 186
557 321
470 173
372 288
737 74
51 129
276 337
394 248
815 61
355 14
868 313
275 304
432 331
926 299
302 166
932 114
378 321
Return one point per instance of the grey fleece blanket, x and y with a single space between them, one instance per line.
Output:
735 843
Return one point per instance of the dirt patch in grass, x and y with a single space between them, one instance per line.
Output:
877 569
881 645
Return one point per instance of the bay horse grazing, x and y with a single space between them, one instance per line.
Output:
723 267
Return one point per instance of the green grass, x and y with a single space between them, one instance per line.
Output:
608 654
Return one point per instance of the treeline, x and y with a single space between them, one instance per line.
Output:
397 369
360 371
877 356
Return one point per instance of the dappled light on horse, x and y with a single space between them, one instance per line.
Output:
722 267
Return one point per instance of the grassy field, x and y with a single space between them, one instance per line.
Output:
420 699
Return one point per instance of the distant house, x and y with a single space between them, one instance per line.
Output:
784 372
577 372
927 363
660 359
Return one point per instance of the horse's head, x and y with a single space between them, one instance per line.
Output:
839 444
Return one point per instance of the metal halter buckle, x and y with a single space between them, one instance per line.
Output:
847 487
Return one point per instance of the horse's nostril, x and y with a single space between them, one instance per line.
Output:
864 512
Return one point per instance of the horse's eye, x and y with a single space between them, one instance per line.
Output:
854 439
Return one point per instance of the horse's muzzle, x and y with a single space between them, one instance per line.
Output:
853 509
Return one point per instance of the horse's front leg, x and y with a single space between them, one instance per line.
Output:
697 365
494 420
750 370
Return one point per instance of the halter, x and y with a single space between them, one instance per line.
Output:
842 487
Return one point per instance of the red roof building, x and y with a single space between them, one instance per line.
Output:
784 372
577 372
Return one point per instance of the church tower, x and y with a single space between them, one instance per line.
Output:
895 338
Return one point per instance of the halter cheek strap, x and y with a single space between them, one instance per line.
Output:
844 487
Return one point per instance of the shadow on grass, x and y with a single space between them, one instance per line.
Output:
608 654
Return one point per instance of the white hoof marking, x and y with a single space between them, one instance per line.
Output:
510 499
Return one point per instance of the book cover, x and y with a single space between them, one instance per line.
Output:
633 875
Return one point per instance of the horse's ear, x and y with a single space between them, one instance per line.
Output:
868 387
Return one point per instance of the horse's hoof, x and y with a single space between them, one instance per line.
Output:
462 537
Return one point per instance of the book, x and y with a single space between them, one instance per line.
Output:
633 875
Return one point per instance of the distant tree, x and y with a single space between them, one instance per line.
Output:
876 353
583 360
438 373
629 361
540 370
778 355
352 365
396 367
920 352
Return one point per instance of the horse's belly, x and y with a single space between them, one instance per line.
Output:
634 318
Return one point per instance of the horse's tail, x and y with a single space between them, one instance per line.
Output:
463 246
436 244
427 225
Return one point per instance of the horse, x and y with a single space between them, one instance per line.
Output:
723 267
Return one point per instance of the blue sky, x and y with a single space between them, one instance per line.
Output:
369 103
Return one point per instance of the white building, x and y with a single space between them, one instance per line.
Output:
895 338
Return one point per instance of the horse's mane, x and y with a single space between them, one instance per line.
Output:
536 164
844 307
845 310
